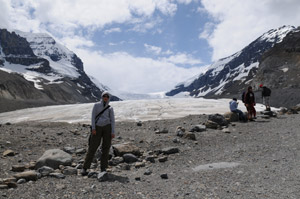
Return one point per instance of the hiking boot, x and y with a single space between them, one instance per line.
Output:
83 172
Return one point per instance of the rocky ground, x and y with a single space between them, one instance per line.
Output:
246 160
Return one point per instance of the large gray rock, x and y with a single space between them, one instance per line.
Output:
121 149
219 119
231 117
53 158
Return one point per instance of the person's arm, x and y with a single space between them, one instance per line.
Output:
93 118
112 120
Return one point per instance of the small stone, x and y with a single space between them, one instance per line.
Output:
130 158
8 123
179 131
57 175
79 166
137 178
12 185
164 176
69 150
7 180
163 159
45 171
163 131
150 159
170 150
147 172
59 133
176 140
30 165
69 171
21 181
3 186
198 128
226 130
18 168
126 167
80 151
139 164
189 135
8 153
28 175
139 123
61 186
92 174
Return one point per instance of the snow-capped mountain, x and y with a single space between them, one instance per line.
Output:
231 75
51 70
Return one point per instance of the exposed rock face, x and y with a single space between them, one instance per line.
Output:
278 69
57 76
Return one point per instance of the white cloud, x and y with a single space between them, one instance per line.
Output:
122 71
184 1
153 49
4 10
77 42
112 30
240 22
183 59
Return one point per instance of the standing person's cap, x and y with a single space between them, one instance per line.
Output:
234 99
260 86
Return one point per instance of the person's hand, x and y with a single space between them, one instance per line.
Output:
94 131
112 136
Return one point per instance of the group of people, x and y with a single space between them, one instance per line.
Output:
248 99
103 123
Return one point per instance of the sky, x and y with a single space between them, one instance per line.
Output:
146 46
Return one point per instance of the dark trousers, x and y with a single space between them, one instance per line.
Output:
251 110
102 133
240 114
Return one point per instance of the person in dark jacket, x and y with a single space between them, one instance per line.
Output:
103 129
265 94
250 103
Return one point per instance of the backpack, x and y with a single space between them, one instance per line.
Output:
243 97
267 91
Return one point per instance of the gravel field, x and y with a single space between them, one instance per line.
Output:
258 159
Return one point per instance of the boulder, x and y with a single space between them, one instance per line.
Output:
121 149
27 175
219 119
198 128
231 117
53 158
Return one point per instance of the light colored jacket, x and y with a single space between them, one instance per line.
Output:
107 117
233 105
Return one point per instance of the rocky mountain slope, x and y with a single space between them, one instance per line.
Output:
230 76
36 70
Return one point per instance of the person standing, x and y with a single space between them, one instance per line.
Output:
233 105
250 103
265 94
103 129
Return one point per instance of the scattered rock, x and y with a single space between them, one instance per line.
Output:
163 159
8 153
27 175
231 117
125 167
57 175
115 161
147 172
59 133
69 150
93 174
137 178
163 131
164 176
104 176
79 166
80 151
150 159
21 181
198 128
180 131
226 130
12 185
211 125
53 158
8 123
69 171
189 135
170 150
176 140
219 119
7 180
121 149
139 164
18 168
30 165
130 158
45 170
139 123
3 186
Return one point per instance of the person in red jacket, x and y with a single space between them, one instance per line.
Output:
250 103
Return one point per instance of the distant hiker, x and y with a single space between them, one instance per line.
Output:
103 128
233 105
265 94
249 100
